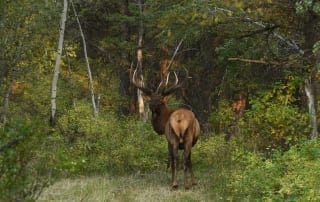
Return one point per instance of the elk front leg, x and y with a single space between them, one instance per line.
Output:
173 150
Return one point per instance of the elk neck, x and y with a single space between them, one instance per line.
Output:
160 117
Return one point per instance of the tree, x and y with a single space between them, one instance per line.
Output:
93 100
57 64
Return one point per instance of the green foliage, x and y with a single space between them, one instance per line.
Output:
221 120
290 176
108 144
274 122
302 172
25 165
308 5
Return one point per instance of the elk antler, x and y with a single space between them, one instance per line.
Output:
139 84
176 85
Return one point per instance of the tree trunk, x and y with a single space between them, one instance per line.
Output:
126 89
57 64
311 106
141 107
93 100
164 62
311 35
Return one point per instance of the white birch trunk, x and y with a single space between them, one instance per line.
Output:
57 64
95 110
311 106
141 106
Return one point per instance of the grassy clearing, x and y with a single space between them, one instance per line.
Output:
140 187
210 168
211 163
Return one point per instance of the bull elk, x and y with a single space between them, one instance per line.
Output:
180 126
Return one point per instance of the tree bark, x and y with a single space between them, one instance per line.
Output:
57 64
311 34
312 109
164 61
126 88
93 100
141 107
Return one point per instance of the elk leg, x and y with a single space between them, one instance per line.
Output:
193 179
173 149
187 164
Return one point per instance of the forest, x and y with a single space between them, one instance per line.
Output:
74 127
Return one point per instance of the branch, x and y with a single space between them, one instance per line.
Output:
289 42
95 110
254 61
264 29
141 31
292 44
175 53
10 144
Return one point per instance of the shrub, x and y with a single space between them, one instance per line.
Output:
270 125
108 144
25 165
302 172
292 176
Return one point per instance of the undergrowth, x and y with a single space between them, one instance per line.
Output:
126 148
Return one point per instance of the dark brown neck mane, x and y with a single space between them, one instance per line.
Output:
160 117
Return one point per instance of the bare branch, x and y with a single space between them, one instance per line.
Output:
95 109
175 53
254 61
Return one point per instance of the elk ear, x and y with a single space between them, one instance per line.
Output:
167 98
146 97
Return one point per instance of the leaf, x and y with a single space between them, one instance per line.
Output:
316 47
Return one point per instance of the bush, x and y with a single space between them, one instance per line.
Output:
292 176
302 172
270 125
108 144
25 165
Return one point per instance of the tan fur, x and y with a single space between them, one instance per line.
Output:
182 131
181 120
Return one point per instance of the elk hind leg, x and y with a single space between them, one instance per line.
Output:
173 150
193 179
187 165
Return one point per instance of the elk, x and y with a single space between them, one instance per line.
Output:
180 126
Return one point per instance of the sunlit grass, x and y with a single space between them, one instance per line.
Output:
140 187
209 165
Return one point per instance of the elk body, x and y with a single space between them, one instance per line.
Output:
180 126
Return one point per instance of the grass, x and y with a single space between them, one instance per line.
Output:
209 164
140 187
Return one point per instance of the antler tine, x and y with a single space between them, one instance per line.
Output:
177 85
167 80
177 80
160 84
139 85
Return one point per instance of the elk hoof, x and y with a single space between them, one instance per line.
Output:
174 186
